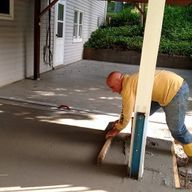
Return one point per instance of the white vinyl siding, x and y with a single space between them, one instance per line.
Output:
16 43
92 9
17 36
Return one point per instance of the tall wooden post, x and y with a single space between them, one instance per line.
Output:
148 61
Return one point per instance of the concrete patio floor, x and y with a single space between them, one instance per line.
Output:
45 149
38 155
81 86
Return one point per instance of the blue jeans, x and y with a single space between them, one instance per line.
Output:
175 115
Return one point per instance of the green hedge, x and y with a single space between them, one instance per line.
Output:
117 38
177 24
176 38
171 47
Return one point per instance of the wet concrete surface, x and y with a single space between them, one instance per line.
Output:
49 150
38 154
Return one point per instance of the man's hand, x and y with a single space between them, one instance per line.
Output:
112 133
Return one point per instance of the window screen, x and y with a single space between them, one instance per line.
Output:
78 25
4 6
7 9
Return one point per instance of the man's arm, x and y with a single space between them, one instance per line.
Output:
127 109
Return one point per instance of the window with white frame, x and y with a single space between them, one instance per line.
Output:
6 9
78 26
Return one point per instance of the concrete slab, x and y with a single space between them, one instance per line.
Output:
49 150
42 155
81 85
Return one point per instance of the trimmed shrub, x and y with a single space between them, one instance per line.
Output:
170 47
125 37
176 38
177 24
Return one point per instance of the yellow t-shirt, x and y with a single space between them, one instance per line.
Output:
166 85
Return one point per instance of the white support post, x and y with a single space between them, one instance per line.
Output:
148 61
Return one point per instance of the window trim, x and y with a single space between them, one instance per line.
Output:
9 16
78 38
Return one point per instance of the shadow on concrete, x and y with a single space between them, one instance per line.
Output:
31 149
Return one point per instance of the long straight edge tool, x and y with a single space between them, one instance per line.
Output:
53 105
149 54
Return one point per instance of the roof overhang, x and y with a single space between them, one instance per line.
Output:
171 2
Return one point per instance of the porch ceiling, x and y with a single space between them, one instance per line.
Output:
172 2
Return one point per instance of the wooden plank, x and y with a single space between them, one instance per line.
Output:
108 142
48 7
106 145
175 169
104 150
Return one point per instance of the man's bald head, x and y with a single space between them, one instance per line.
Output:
114 81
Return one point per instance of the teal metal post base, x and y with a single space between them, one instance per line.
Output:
137 145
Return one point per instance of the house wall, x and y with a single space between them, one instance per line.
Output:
92 9
17 37
15 40
73 52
